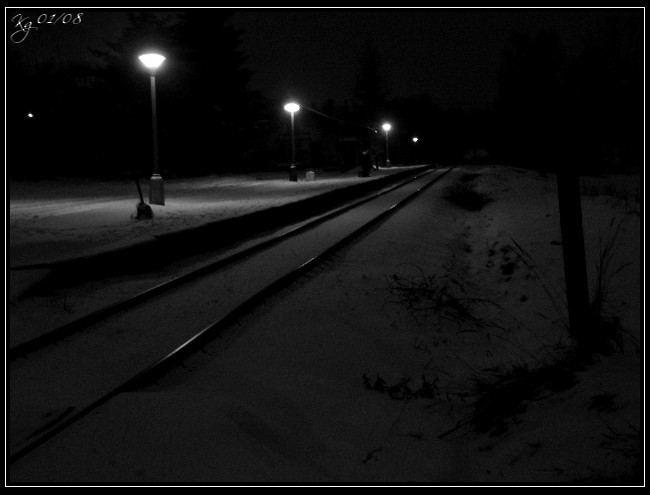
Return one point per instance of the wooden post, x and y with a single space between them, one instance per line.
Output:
573 248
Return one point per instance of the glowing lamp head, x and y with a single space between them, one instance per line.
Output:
151 60
292 107
30 115
415 140
386 127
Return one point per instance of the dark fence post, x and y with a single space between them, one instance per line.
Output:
573 248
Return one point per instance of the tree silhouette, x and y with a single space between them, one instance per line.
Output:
607 82
586 107
204 108
370 94
216 110
532 103
65 134
419 116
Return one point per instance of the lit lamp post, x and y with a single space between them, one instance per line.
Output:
292 108
415 142
386 127
152 61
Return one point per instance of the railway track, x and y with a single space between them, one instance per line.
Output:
128 343
55 334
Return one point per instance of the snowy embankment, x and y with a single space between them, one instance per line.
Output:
432 351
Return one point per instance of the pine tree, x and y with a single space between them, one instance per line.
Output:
204 107
370 94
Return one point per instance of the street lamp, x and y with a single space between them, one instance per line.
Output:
292 108
415 142
386 127
152 61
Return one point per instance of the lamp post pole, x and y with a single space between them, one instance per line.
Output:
292 108
293 143
415 149
386 127
156 187
156 171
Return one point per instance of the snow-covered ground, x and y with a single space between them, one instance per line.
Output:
370 370
51 220
61 219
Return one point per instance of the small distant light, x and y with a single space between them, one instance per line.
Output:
151 60
30 115
292 107
386 127
415 140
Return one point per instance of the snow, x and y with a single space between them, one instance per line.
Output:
282 397
51 220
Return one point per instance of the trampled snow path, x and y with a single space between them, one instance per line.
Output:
283 398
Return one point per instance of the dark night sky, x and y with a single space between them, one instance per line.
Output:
313 54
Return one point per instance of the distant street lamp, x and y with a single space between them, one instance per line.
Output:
292 108
386 127
152 61
30 115
415 142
